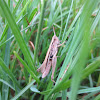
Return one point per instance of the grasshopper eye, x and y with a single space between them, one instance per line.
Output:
51 56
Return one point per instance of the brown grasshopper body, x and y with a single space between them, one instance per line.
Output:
51 58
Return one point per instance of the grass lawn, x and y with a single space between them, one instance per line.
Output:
26 30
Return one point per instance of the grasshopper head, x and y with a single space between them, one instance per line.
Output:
56 40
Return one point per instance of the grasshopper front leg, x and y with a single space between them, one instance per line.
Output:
61 44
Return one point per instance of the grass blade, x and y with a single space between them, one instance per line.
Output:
39 30
5 82
17 35
6 60
5 68
26 66
23 91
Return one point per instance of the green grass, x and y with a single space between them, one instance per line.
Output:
77 22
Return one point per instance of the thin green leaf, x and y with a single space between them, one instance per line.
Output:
23 90
5 68
17 35
39 30
26 66
5 82
94 89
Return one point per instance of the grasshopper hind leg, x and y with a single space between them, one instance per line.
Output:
45 73
54 61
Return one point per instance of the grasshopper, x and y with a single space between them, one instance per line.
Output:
51 58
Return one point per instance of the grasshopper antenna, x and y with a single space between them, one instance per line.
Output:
54 31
